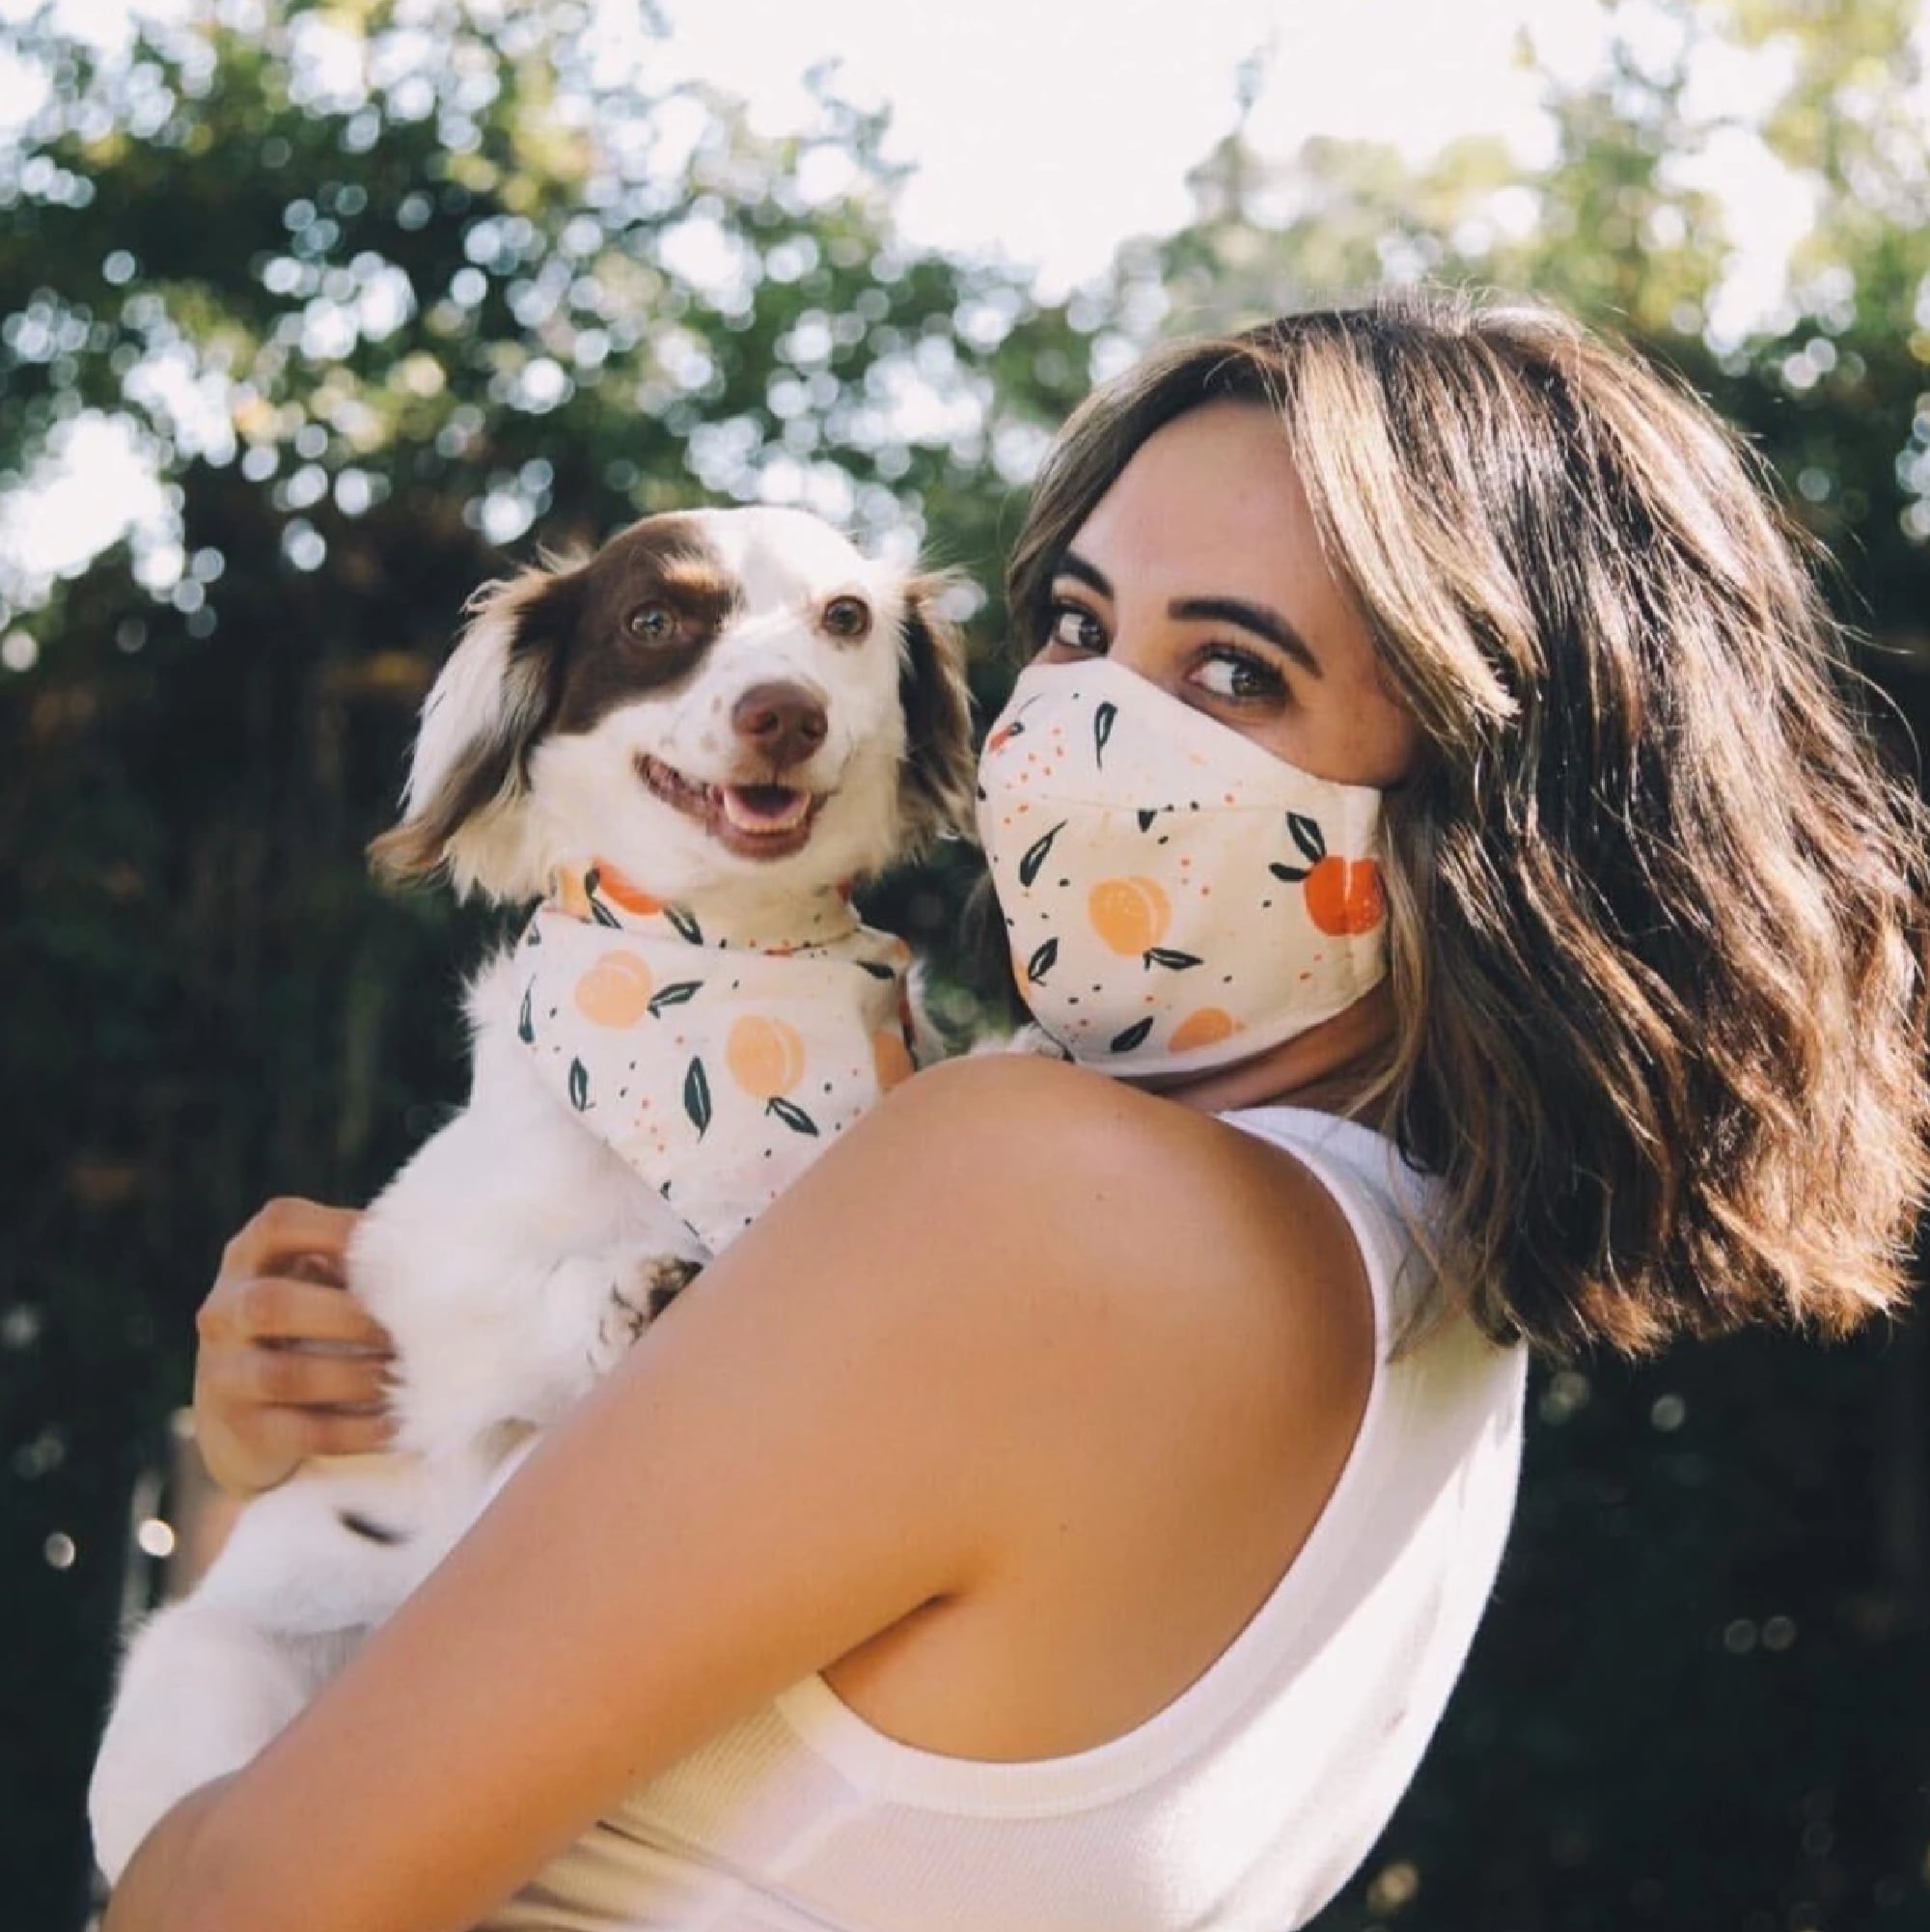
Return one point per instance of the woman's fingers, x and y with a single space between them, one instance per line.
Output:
276 1308
288 1228
261 1407
311 1432
293 1378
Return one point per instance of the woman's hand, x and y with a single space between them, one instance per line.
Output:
291 1364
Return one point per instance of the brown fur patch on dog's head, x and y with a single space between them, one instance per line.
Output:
936 792
494 696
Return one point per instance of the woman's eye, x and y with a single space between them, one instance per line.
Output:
848 617
1074 627
654 624
1238 676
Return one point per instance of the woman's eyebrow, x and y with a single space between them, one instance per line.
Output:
1260 619
1072 565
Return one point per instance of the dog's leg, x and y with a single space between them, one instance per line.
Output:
203 1689
594 1308
507 1297
307 1570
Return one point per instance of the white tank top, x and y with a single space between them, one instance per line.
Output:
1242 1807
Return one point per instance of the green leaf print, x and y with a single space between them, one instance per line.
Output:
1103 720
599 912
677 994
1292 874
579 1085
686 926
697 1096
1041 962
526 1030
791 1114
878 970
1166 955
1035 853
1306 835
1125 1043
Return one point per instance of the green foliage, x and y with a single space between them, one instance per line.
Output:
1683 1709
387 295
373 332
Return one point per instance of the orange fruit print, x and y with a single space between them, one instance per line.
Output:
1206 1026
892 1059
616 991
1130 915
623 892
765 1057
1344 895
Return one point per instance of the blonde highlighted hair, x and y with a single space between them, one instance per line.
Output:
1658 910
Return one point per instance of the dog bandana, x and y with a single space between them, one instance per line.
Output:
717 1061
1175 897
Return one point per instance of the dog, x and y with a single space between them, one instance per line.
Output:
692 742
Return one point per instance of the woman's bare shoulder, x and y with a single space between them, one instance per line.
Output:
1156 1340
1176 1261
981 1146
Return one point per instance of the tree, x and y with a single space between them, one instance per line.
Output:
1682 1710
384 294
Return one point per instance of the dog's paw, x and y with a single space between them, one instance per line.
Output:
634 1303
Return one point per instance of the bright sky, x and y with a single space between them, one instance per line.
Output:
1053 129
1050 130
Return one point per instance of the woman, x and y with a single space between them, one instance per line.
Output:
1070 1504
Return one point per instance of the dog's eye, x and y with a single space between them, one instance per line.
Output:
849 617
654 624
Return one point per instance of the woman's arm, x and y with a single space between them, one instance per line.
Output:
865 1407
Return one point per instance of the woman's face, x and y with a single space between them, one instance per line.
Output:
1200 569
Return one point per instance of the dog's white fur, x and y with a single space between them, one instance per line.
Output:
513 1255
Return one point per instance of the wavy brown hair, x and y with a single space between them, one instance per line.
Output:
1658 910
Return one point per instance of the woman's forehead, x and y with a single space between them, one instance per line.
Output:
1216 488
1211 505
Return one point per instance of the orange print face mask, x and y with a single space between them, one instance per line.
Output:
1174 897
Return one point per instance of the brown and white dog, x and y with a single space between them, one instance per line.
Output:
734 705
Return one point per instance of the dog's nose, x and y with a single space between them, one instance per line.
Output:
784 723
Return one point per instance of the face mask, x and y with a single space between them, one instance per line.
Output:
717 1059
1174 897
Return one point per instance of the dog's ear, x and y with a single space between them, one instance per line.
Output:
935 789
463 805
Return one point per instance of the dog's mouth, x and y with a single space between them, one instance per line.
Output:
755 821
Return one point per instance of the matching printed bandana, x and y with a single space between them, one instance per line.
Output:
1174 897
717 1061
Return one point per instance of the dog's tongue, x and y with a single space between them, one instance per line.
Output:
765 807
